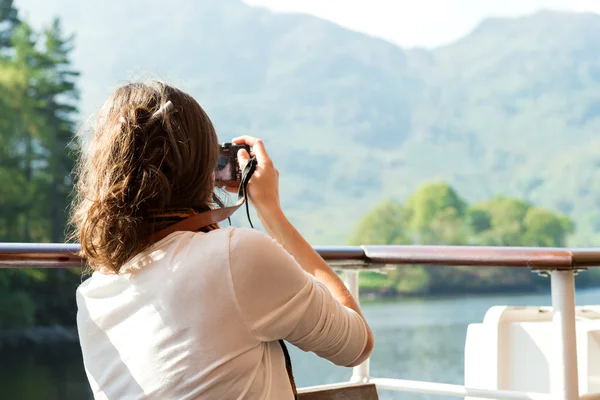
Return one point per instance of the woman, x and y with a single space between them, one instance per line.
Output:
195 315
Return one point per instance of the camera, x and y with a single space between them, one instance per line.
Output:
228 169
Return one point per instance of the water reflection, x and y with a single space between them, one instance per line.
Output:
51 372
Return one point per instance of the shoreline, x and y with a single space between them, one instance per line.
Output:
391 294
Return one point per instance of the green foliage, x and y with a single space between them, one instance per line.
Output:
411 280
545 229
506 226
383 224
38 98
17 310
8 20
511 222
432 200
436 214
372 281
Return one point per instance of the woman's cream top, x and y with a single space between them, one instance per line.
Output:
198 316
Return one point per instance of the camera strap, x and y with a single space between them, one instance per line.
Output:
201 220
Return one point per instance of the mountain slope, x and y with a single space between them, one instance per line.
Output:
352 120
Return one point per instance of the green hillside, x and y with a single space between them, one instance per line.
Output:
353 120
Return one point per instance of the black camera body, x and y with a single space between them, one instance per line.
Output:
228 169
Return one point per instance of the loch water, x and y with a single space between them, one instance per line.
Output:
420 339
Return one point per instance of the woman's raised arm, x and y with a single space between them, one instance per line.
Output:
263 191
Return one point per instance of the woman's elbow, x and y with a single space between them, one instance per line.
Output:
366 352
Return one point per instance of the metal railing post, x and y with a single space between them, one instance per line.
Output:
360 373
565 381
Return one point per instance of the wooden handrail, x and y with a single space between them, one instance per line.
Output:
55 255
348 391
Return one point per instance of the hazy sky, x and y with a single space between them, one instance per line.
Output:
427 23
409 23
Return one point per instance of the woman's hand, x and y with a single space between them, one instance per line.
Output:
263 188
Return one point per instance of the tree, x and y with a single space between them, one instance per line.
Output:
26 135
512 222
58 95
498 222
12 83
38 141
38 97
479 220
384 224
436 215
9 19
543 228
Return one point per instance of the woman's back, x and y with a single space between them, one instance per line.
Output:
198 315
195 315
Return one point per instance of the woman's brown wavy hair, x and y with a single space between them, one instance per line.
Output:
136 165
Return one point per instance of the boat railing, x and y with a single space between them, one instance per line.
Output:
559 264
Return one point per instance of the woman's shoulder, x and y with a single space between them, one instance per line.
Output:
254 253
235 242
251 240
236 235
